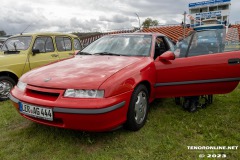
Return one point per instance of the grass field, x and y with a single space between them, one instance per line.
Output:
166 135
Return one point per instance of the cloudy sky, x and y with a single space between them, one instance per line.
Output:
91 15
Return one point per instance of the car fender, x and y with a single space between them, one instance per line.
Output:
9 74
128 78
16 65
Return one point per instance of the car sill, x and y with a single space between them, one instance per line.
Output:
196 82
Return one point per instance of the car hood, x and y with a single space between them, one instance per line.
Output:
81 72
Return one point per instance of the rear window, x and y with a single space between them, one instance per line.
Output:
77 44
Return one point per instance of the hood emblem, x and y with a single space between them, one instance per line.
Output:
47 79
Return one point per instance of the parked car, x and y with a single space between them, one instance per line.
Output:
2 39
21 53
112 81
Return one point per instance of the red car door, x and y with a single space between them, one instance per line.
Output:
202 74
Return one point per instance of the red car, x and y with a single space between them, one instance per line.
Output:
111 82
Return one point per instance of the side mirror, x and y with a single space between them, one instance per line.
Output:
35 51
167 56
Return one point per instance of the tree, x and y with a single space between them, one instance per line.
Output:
2 33
149 22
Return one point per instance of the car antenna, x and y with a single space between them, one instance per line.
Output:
25 29
139 23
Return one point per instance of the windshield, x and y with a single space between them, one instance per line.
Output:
17 43
124 45
208 42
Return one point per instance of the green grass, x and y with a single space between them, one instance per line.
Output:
166 135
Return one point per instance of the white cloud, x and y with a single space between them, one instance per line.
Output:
90 15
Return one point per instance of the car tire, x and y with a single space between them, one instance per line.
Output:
138 108
6 84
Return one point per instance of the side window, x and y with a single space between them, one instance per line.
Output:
160 47
49 45
196 44
197 47
77 44
63 44
43 44
182 47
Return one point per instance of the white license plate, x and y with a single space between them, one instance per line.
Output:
36 111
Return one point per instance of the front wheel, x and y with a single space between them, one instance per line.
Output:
6 84
138 108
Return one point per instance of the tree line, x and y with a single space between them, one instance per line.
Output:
149 22
3 33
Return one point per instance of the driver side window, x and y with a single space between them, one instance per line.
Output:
197 48
160 47
43 44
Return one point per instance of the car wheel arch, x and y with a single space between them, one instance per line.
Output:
146 84
9 74
138 107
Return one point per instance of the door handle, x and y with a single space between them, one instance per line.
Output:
54 55
234 61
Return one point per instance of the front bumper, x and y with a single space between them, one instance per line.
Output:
81 114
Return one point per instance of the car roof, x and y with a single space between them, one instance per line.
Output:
45 33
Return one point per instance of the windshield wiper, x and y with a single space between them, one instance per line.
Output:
83 53
15 46
6 46
10 51
107 53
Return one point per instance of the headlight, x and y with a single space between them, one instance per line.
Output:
21 85
81 93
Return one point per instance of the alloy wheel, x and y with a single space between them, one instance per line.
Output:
5 88
141 107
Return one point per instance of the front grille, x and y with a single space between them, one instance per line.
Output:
51 96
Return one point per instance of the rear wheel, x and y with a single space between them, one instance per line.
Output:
138 108
6 84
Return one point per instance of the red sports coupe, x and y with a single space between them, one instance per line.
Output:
111 82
